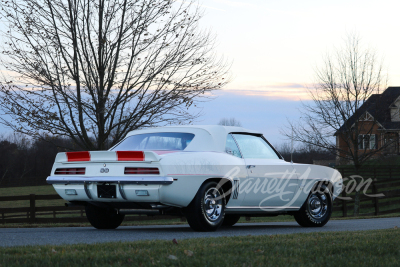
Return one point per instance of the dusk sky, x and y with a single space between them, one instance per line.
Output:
275 46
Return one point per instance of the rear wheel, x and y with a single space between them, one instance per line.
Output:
316 210
103 218
206 212
230 220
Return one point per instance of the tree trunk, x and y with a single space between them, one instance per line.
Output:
357 195
356 203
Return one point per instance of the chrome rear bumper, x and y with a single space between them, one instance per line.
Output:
109 179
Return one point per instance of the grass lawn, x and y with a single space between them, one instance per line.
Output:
23 191
366 248
26 190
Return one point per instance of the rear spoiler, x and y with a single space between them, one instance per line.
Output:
107 156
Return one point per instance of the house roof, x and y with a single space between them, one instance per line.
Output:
378 105
391 125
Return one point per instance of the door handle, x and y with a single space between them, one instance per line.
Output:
250 166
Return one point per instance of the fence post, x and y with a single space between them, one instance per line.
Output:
375 192
32 208
344 204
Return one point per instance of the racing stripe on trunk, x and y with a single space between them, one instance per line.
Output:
78 156
130 155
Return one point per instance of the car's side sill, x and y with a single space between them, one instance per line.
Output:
265 207
257 209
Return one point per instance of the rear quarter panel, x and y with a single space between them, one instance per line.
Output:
192 169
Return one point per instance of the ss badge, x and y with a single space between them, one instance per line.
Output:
104 170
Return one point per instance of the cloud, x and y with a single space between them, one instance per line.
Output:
210 7
202 5
235 3
289 91
286 85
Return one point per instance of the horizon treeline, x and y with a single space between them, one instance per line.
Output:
28 162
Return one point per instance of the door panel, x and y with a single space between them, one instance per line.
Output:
270 183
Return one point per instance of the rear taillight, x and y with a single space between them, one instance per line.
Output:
130 170
69 171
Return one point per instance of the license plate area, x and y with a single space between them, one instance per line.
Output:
106 191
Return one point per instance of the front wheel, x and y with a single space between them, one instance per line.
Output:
206 211
102 218
316 210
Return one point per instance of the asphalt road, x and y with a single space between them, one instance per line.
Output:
75 235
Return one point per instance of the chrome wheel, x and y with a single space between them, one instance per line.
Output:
206 211
317 205
317 209
213 204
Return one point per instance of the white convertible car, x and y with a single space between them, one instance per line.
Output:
211 174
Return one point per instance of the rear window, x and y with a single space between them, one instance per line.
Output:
155 141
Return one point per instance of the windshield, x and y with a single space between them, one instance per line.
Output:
155 141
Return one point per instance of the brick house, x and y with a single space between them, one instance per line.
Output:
378 125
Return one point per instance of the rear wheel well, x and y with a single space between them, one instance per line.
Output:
225 184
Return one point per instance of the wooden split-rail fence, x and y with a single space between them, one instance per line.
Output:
384 181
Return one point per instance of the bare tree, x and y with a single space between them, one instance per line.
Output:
229 122
92 70
345 94
304 153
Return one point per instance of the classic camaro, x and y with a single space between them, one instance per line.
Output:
210 174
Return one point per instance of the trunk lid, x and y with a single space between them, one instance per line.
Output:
107 156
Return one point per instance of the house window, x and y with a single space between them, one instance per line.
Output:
367 141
